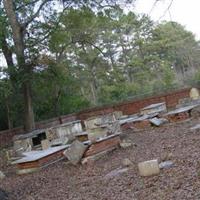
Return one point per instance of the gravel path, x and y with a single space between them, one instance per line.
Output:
65 182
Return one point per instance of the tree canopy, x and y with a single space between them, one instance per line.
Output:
64 56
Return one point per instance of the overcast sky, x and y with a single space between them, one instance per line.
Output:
186 12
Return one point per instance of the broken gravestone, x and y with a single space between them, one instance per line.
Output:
149 168
75 152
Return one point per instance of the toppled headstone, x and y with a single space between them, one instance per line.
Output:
3 195
126 144
75 152
166 164
2 175
149 168
126 162
116 173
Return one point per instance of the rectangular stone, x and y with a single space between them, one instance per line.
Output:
75 152
149 168
45 144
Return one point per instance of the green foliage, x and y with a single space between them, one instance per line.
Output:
82 57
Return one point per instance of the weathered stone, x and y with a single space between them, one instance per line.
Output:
166 164
2 175
97 133
75 152
114 128
149 168
194 93
125 144
45 144
158 121
126 162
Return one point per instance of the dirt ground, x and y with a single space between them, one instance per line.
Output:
62 181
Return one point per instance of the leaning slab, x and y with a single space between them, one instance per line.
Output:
75 152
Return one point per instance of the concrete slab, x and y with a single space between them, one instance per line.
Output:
36 155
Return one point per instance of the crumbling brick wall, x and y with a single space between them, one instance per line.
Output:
128 107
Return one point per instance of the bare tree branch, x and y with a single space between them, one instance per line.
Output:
27 4
36 13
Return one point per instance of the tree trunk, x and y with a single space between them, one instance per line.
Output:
9 120
26 71
29 123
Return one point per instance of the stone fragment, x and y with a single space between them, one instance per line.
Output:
166 164
2 175
194 93
45 144
149 168
126 162
75 152
158 121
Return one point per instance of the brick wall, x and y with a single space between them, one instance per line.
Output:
134 106
128 107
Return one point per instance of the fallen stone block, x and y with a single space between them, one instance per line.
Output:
75 152
2 175
149 168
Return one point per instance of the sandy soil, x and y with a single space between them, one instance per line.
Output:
62 181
